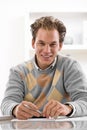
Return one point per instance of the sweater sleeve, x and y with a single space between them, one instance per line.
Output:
14 92
76 85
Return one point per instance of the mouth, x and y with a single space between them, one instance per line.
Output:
46 57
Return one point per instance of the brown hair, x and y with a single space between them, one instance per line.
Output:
49 23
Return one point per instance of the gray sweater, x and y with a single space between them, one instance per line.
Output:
64 81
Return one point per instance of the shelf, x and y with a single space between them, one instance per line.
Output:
74 47
79 52
74 50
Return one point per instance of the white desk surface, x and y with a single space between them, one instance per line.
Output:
77 123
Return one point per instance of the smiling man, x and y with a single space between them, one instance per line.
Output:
48 85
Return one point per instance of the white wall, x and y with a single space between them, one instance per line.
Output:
12 41
14 29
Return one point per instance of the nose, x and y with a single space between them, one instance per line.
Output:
47 49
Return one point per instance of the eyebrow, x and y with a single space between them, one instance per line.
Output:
47 42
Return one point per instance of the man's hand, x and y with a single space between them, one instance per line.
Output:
25 110
54 108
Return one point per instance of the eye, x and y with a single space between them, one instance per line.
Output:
53 45
41 43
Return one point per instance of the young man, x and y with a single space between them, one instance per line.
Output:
49 84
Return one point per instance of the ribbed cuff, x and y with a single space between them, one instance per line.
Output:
73 110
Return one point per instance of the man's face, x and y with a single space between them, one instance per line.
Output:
46 47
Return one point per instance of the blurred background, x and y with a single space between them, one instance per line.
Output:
15 38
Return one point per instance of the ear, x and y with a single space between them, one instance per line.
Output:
33 43
60 46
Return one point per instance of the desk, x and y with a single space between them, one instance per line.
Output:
79 123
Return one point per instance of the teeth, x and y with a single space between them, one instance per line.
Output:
47 56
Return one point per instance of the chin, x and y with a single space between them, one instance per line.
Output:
46 63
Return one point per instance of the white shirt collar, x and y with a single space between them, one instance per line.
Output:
51 66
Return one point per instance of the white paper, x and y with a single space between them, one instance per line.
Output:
60 118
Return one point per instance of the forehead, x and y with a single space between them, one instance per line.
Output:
47 34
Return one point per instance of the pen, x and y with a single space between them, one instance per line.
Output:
33 109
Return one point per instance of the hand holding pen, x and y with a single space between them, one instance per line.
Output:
26 110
